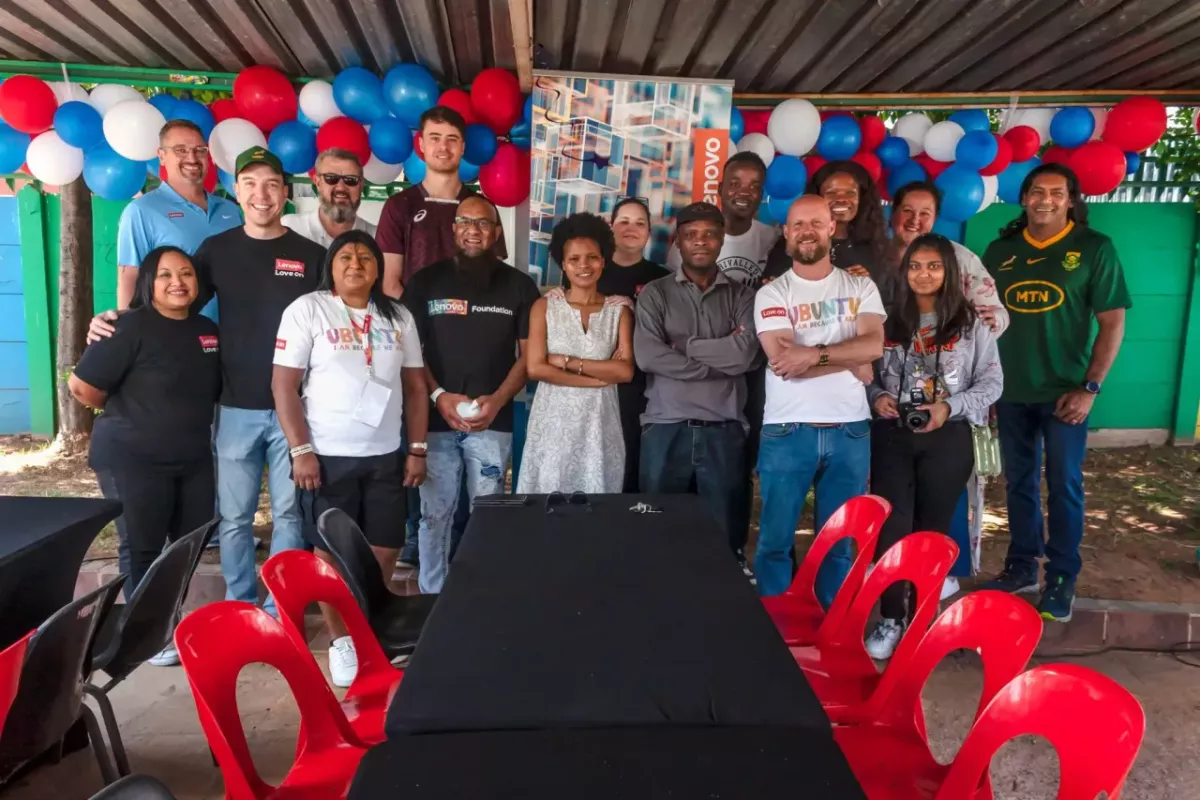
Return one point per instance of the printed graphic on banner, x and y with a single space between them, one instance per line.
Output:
710 148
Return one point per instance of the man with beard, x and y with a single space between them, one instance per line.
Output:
695 341
818 326
339 181
472 313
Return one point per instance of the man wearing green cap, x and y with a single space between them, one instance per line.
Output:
255 271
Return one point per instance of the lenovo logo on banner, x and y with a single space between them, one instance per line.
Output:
710 147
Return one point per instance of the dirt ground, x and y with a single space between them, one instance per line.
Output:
1143 508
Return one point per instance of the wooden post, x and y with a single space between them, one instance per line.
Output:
74 309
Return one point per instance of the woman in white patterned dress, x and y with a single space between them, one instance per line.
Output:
580 347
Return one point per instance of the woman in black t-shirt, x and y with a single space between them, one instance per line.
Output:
156 380
860 241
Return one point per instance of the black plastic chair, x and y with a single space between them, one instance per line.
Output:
396 620
136 631
135 787
50 695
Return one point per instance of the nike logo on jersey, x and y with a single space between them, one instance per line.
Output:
1034 260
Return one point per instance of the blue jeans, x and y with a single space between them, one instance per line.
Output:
483 457
835 460
714 455
247 441
1025 429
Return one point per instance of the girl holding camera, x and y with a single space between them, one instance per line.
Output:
940 372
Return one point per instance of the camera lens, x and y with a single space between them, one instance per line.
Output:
916 419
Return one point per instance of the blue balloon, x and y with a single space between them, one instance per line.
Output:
359 95
227 183
520 135
1008 186
112 176
13 145
296 145
778 208
163 102
737 126
410 91
152 167
951 230
840 138
893 152
414 168
1072 126
785 177
962 192
194 111
976 150
527 114
480 144
300 115
1132 162
908 172
391 140
972 119
467 172
79 124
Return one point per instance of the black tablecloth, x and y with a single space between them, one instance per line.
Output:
605 618
42 544
609 764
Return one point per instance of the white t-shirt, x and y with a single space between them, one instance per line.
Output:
817 312
743 258
316 334
309 226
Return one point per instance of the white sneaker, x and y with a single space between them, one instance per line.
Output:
169 657
883 640
949 588
749 573
343 662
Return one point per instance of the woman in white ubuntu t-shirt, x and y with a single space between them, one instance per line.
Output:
347 363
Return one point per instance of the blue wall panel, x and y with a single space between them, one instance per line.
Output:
14 363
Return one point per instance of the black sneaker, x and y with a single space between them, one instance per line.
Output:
1013 582
1058 600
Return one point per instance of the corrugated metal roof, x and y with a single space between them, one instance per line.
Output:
455 39
880 46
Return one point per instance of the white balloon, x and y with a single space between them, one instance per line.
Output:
66 92
912 129
758 143
53 161
107 95
794 127
1036 118
232 137
131 128
317 103
942 139
991 185
380 172
1101 117
732 150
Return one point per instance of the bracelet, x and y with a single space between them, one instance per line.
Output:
417 455
301 450
438 392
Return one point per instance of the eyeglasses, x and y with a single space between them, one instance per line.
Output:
183 151
484 225
333 179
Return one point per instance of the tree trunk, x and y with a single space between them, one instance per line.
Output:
74 309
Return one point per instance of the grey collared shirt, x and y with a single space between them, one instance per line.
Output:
696 348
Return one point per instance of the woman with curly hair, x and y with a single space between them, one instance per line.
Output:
860 241
580 347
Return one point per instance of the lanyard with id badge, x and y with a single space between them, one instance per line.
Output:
375 394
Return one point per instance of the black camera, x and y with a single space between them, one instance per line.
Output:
912 417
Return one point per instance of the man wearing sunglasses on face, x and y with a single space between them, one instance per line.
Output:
339 182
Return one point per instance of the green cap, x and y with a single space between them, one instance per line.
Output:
257 155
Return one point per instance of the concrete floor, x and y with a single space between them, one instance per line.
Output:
163 736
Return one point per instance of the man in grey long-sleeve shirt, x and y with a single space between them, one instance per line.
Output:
695 340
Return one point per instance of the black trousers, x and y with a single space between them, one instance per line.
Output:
922 475
631 399
368 488
160 504
756 400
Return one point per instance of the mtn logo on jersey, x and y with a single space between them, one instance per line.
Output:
1033 297
208 344
447 306
289 269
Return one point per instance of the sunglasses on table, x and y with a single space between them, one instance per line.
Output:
333 179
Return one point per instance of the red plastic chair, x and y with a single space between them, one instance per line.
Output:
296 579
11 660
837 666
891 745
214 643
797 613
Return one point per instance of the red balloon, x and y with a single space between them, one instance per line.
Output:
870 163
265 97
873 133
1057 155
460 101
754 120
881 184
346 134
1135 123
505 179
27 104
1004 157
497 100
932 166
224 109
1024 142
1100 166
813 163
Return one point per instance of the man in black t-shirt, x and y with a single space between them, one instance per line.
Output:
255 271
472 312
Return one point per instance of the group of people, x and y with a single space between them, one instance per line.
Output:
375 369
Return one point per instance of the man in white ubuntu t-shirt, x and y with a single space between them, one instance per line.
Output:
821 329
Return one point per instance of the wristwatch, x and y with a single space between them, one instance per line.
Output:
438 392
1091 387
824 360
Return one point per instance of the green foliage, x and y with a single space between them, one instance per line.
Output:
1180 145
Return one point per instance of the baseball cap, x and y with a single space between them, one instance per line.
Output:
698 212
257 155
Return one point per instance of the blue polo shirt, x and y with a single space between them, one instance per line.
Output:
163 217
